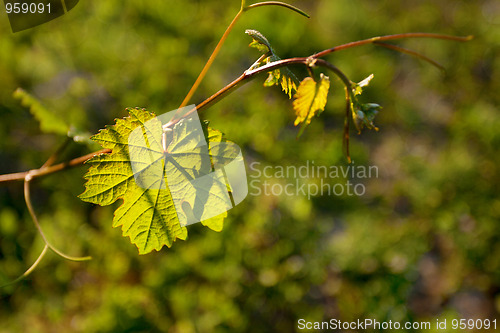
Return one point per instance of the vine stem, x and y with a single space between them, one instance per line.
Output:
345 140
410 52
222 40
249 74
52 168
392 37
210 60
243 78
215 52
29 270
27 198
277 3
48 245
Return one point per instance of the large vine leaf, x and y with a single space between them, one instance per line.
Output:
284 76
148 215
310 99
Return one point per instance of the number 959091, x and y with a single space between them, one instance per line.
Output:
27 8
471 324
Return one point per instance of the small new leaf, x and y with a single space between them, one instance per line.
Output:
310 99
363 114
259 41
281 76
358 87
148 214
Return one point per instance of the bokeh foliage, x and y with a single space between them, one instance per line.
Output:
422 243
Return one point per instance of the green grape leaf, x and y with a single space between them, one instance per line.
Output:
49 121
283 77
310 100
148 215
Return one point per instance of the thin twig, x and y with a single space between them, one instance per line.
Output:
29 270
412 53
347 124
392 37
249 74
278 3
208 64
51 169
27 198
314 60
230 27
54 156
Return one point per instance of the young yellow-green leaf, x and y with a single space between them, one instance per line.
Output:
49 121
358 87
148 214
363 114
259 41
310 99
281 76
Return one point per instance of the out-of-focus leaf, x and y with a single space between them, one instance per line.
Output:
49 122
365 116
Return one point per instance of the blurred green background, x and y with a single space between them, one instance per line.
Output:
422 243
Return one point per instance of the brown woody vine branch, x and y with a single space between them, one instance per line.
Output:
51 169
311 61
